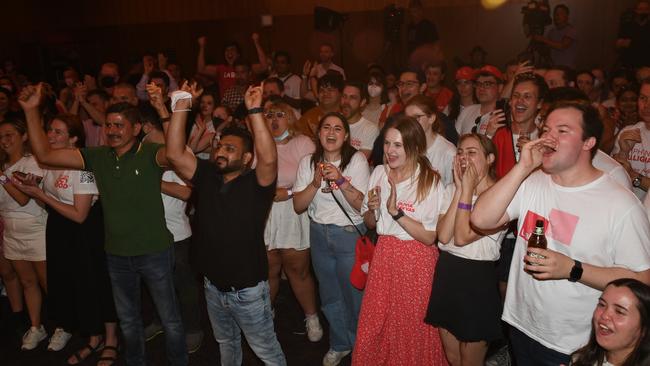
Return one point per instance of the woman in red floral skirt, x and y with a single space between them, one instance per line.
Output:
404 204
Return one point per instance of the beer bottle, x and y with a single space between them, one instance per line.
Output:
537 240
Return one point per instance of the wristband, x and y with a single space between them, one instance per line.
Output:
465 206
178 95
255 110
339 182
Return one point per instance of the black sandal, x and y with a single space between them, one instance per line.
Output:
93 350
112 359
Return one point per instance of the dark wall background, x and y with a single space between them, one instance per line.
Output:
41 36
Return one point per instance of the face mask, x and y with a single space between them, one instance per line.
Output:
283 136
374 90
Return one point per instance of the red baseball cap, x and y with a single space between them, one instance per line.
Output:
492 70
465 73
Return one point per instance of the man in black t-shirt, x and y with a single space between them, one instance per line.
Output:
420 31
634 37
232 206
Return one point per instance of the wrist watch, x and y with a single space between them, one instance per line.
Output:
398 215
636 182
576 272
289 193
4 179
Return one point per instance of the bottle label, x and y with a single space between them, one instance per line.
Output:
535 255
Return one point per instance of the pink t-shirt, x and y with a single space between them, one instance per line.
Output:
94 133
289 156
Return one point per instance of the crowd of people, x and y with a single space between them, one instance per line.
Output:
245 172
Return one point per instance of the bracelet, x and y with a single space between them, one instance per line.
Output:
465 206
341 181
255 110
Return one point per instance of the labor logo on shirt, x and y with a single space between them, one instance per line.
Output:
560 226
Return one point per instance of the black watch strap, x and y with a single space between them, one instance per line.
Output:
398 215
576 272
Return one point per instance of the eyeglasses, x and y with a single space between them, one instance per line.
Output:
410 83
276 114
484 84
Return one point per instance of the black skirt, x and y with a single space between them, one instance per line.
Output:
465 299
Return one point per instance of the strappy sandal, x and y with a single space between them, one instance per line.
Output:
93 350
113 358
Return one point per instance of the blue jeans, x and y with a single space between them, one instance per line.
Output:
332 254
248 309
529 352
157 272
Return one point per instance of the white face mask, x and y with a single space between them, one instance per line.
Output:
374 90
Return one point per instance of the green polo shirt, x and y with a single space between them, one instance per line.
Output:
129 187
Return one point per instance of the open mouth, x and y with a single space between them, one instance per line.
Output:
274 126
603 330
330 139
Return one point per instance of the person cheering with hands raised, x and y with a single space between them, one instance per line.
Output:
229 240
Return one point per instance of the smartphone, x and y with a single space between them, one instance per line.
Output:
22 176
505 107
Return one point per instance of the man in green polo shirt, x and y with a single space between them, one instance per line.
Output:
138 244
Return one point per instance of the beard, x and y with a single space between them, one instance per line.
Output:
231 166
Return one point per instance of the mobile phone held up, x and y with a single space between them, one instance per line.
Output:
21 176
503 105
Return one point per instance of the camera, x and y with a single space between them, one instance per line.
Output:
536 17
393 20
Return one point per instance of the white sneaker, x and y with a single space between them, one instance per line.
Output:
33 336
58 340
314 330
333 358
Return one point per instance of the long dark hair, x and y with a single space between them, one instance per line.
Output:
347 151
415 147
593 354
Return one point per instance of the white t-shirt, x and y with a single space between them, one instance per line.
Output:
8 206
467 118
177 221
209 128
639 156
441 155
363 134
425 212
646 203
323 209
484 249
321 71
612 167
600 223
62 185
373 114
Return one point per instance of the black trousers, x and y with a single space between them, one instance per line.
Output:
79 289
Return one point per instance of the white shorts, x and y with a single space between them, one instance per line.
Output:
24 238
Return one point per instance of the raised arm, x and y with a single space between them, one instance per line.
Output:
263 65
181 159
490 209
200 60
29 100
265 150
